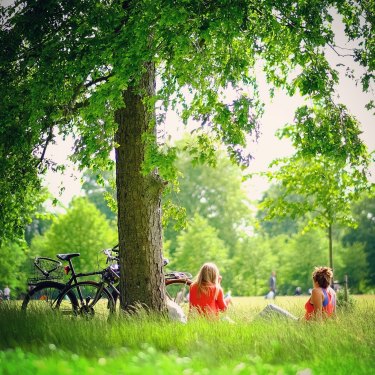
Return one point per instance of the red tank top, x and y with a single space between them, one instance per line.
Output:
329 304
207 304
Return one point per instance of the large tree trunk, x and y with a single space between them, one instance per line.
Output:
139 203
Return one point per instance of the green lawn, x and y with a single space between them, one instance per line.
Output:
51 344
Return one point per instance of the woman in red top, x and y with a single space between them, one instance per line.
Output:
322 302
206 295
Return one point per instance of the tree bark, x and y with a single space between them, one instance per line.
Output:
139 202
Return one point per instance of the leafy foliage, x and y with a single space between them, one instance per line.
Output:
198 244
254 259
214 192
364 233
327 130
319 186
83 229
328 171
14 267
65 65
65 68
98 188
278 225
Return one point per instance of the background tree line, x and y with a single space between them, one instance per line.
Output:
220 223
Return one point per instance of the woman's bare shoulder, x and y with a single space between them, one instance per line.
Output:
316 291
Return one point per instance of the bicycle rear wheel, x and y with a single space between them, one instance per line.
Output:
177 289
92 299
43 297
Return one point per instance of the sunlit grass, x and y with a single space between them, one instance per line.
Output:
149 344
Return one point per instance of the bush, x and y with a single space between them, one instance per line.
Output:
341 303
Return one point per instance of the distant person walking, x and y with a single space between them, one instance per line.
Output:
6 293
272 285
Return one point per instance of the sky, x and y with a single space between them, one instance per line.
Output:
278 112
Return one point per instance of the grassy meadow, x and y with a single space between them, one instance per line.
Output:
52 344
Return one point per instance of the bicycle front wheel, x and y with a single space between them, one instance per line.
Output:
44 295
177 289
93 299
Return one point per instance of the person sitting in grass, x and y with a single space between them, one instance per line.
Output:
321 304
206 295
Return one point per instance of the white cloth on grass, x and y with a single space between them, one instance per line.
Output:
273 311
175 311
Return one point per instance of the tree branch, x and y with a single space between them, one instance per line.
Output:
339 54
97 80
48 140
73 105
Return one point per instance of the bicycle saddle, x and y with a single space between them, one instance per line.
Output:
68 256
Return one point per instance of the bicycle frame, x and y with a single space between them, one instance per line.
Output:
74 281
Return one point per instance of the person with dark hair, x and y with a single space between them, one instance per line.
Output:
322 302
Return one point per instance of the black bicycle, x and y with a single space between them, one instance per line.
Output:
87 298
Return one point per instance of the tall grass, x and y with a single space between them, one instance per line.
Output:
49 343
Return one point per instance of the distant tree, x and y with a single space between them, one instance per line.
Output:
214 192
250 268
327 173
279 225
297 258
14 268
99 189
353 264
42 218
83 229
364 233
40 223
199 244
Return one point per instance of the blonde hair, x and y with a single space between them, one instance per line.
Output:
323 276
207 276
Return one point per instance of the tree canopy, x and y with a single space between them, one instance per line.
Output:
89 68
327 173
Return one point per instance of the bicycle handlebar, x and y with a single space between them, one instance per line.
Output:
108 253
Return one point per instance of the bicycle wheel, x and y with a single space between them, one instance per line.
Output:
44 295
92 299
177 289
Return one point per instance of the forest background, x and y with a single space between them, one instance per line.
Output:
218 222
